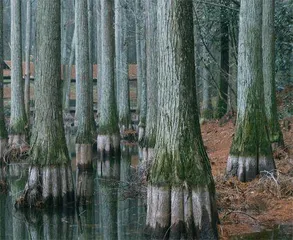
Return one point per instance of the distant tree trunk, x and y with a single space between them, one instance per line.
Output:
207 109
27 59
91 57
141 67
251 151
50 175
108 133
3 131
122 66
151 79
84 137
224 72
181 194
18 120
99 59
268 47
67 81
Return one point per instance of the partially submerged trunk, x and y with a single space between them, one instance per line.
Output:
268 50
151 79
108 133
181 193
251 152
18 119
141 67
3 131
27 59
50 175
122 67
84 137
84 187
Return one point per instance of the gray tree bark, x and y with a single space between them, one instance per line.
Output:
251 152
108 133
18 120
181 201
121 73
50 174
3 131
141 67
84 137
151 79
268 49
28 28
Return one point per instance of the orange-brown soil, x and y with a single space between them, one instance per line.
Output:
249 207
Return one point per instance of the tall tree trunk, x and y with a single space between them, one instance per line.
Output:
224 74
99 59
3 131
50 174
268 47
91 57
27 58
151 79
108 133
18 120
251 151
141 67
181 201
122 66
84 137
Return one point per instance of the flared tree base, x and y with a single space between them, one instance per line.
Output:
181 213
247 168
17 149
84 156
48 186
147 159
108 144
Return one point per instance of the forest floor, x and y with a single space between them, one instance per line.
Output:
253 206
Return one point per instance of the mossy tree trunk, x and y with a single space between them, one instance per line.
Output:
18 119
108 133
141 67
3 131
224 74
27 59
268 47
151 79
121 73
181 193
84 137
251 151
50 174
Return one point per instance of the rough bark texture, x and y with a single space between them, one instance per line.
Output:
108 122
251 150
50 175
268 47
3 131
84 187
152 73
181 200
141 67
84 132
122 66
27 58
18 120
224 74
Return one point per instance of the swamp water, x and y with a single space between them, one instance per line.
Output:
113 207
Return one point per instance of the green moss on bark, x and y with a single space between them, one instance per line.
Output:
19 126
